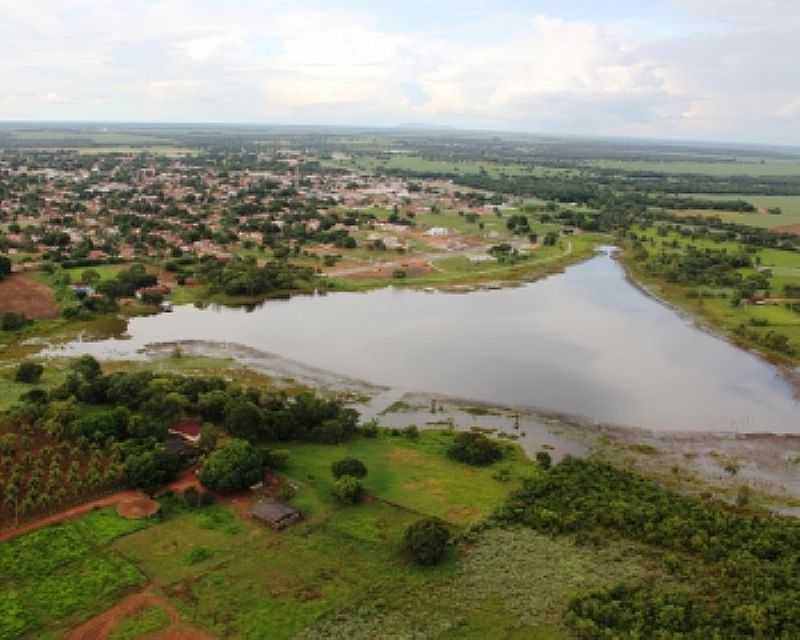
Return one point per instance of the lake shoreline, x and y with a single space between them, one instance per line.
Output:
789 371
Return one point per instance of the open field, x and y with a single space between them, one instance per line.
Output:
789 205
157 150
86 137
767 167
22 293
339 574
56 577
419 164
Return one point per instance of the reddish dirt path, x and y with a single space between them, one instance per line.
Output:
21 293
187 479
74 512
100 627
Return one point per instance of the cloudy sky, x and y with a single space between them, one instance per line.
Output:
688 69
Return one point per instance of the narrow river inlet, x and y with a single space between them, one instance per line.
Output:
585 343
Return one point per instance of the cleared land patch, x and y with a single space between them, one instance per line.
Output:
21 293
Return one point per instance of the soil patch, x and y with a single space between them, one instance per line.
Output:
21 293
100 627
788 228
138 508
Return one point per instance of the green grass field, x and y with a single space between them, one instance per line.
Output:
789 205
54 578
769 167
340 573
444 167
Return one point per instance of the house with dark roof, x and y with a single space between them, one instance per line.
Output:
277 515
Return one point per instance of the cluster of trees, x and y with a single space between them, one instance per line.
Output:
39 473
243 277
474 448
131 412
736 573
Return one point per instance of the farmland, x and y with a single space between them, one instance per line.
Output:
231 576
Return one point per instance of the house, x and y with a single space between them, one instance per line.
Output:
154 292
187 430
437 232
276 514
179 447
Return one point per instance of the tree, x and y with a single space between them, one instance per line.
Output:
90 277
234 466
475 449
427 540
544 459
29 372
5 267
348 490
349 467
87 366
149 470
243 419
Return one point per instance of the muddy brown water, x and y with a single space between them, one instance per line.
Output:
585 342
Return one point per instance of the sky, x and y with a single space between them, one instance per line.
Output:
722 70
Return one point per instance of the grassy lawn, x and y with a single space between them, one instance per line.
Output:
106 271
54 578
11 390
415 474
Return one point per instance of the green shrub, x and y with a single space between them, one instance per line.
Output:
348 490
474 448
543 459
427 540
29 372
349 467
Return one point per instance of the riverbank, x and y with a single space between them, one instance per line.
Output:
702 316
700 463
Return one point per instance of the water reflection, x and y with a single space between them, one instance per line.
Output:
585 342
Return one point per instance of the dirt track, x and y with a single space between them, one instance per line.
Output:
100 627
21 293
74 512
186 480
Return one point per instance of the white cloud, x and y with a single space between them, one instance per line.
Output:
269 61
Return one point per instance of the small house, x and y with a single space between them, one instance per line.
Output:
276 514
187 429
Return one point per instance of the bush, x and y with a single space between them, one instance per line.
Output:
474 448
349 467
348 490
29 372
276 458
234 466
11 321
427 540
543 459
411 432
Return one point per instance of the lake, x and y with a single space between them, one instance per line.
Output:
585 342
